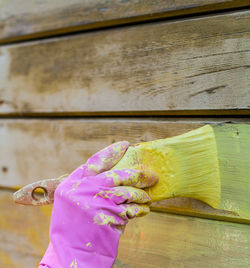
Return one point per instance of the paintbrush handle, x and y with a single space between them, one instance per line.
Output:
26 195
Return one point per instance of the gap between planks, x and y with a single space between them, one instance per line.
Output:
241 113
177 211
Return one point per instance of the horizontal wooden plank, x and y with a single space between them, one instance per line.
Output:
24 233
157 240
168 68
32 19
35 149
233 153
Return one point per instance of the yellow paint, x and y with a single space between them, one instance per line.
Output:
134 210
184 242
88 244
233 143
104 194
186 165
103 219
73 264
74 186
4 258
27 229
92 167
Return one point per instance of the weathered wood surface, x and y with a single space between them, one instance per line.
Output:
186 66
39 149
21 20
157 240
36 149
24 233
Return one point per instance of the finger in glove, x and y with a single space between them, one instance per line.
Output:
105 159
127 177
125 194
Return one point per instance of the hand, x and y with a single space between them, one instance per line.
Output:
92 207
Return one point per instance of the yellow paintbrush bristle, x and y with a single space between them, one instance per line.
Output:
187 165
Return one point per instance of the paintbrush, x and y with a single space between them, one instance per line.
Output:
203 164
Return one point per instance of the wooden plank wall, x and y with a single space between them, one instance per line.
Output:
177 67
157 240
62 98
42 148
29 19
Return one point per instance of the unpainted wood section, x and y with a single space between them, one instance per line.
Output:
20 20
157 240
177 67
24 233
40 149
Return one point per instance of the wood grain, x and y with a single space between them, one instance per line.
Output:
24 233
20 20
157 240
176 67
40 149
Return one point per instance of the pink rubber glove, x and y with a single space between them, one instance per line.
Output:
91 208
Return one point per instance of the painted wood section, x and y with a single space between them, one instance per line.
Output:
233 152
20 20
40 149
157 240
233 145
162 240
185 66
